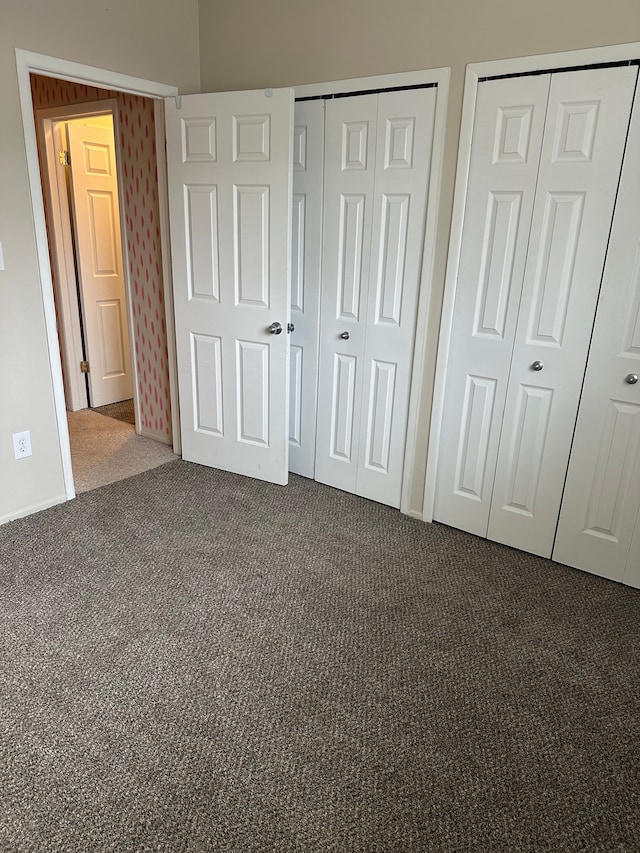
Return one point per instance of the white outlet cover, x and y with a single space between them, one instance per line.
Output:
22 444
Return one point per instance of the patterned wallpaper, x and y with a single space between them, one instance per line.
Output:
140 185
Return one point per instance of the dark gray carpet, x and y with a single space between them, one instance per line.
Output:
193 661
122 411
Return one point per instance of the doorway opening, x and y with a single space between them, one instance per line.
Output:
99 175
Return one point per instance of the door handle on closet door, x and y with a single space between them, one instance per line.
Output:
537 365
344 336
631 378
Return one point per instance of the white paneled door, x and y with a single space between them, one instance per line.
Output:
306 266
377 167
599 528
96 216
230 198
505 155
545 166
582 149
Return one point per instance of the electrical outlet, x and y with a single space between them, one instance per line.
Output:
22 444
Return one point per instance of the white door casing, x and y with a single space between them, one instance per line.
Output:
377 170
507 137
229 160
306 266
583 145
96 218
599 528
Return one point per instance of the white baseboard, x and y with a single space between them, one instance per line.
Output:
155 435
29 510
413 513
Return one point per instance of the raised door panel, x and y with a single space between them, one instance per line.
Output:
507 141
404 139
584 139
230 181
306 263
100 265
350 168
601 501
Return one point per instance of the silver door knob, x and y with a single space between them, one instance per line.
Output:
537 365
290 328
344 336
631 378
275 329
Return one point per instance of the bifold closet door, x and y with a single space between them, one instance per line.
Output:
505 154
582 150
599 528
306 265
509 422
377 166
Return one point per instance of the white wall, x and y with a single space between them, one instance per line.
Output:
248 44
153 39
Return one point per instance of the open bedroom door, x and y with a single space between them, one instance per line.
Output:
230 159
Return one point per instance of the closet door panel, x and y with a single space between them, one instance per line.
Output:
507 140
601 502
632 572
306 264
350 143
403 163
584 139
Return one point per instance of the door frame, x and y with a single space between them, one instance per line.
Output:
66 282
428 305
475 73
28 63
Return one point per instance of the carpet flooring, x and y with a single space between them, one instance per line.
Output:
122 411
194 661
104 450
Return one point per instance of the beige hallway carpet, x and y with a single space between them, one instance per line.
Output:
104 450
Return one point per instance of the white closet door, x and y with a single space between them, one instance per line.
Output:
584 138
403 160
230 167
601 500
507 139
350 139
306 265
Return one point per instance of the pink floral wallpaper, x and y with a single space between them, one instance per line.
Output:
140 185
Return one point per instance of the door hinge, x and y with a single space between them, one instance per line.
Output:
84 367
63 157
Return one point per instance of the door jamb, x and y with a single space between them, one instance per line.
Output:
28 63
427 304
474 73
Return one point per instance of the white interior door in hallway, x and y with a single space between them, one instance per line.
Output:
99 259
545 165
376 179
599 527
229 162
